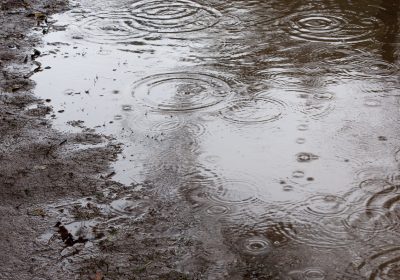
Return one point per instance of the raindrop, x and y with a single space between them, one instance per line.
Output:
306 157
302 127
298 174
217 210
323 96
314 274
287 188
300 141
126 108
256 246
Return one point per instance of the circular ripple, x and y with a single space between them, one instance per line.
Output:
256 246
252 111
332 27
217 210
169 16
106 28
371 221
180 92
204 186
325 205
314 274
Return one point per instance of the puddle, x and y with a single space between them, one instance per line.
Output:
268 117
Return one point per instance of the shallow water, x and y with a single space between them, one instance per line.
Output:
280 119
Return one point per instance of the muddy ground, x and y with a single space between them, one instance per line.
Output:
49 178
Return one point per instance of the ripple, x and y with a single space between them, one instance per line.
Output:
181 92
371 221
384 265
169 16
315 234
370 102
256 246
204 186
374 185
155 123
318 110
255 110
308 274
326 205
387 199
332 27
218 210
314 274
236 192
320 221
363 66
106 27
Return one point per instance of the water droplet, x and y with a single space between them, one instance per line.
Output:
302 127
306 157
298 174
314 274
300 141
256 246
217 210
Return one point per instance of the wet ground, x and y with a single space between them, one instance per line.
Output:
259 138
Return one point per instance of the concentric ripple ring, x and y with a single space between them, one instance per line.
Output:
172 16
332 27
180 92
255 110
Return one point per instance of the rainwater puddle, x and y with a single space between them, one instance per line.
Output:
279 120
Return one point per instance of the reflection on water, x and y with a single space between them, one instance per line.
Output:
278 120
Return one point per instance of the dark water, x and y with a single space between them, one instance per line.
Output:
279 119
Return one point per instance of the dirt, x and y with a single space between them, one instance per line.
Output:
50 180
